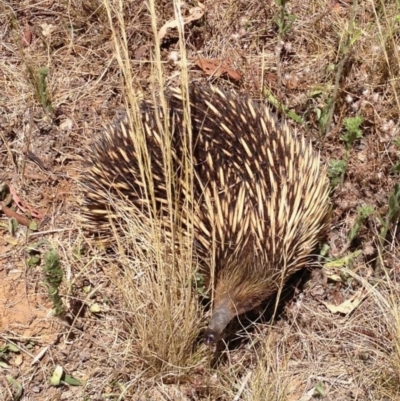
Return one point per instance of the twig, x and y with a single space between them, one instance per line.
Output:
241 389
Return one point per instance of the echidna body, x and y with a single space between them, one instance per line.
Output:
260 195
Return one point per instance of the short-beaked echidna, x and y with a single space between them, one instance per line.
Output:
260 194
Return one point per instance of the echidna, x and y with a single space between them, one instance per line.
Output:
260 195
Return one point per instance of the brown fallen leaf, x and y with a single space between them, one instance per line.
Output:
24 206
27 35
216 68
10 213
291 83
350 304
36 177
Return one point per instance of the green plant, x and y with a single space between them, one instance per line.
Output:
392 218
337 168
285 20
53 278
280 106
363 212
336 171
38 79
353 131
393 214
347 41
395 168
200 284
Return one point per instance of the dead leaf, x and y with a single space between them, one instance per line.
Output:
24 206
349 305
10 213
334 277
66 125
27 36
291 83
195 13
216 68
18 360
11 241
307 396
47 29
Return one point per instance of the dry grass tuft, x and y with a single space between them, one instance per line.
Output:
162 276
163 317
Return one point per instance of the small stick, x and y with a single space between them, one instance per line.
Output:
246 379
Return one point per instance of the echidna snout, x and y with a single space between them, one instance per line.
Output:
220 318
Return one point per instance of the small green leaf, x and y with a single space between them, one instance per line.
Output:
95 308
363 212
33 225
4 191
12 348
72 381
34 247
43 71
9 347
17 387
319 390
342 261
356 35
33 261
324 251
12 226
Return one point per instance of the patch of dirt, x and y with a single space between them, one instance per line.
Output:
22 312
